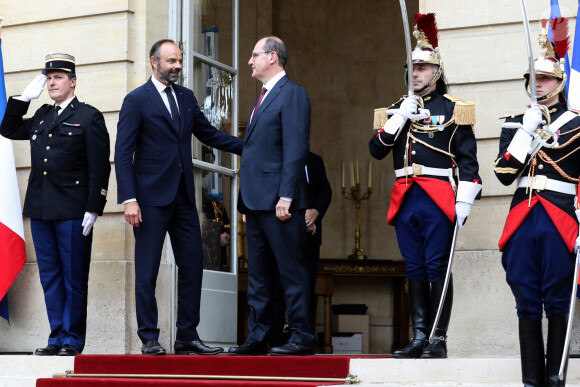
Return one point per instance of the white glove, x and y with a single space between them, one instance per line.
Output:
532 119
409 107
34 89
462 211
88 222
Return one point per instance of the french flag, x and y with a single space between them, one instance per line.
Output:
573 91
12 250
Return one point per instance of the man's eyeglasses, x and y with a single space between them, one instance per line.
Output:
256 53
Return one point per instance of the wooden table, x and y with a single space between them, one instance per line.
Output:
379 268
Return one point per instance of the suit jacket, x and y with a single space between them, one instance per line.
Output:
150 155
276 149
319 193
69 159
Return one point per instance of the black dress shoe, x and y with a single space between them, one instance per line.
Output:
293 349
249 348
195 347
152 347
68 350
49 350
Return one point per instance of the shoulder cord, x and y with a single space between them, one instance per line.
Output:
544 157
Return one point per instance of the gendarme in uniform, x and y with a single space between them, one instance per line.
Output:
434 155
67 190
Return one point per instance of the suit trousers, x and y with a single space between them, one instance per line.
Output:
539 267
63 255
276 254
424 234
181 221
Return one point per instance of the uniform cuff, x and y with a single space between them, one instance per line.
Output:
394 124
520 145
467 191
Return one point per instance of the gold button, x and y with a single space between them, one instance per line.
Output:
76 182
45 160
413 153
541 166
47 148
414 141
50 135
45 173
70 133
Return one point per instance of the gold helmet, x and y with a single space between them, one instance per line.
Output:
551 59
427 48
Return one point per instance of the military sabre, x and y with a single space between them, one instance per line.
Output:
570 319
445 284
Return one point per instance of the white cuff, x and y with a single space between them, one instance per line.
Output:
21 98
467 191
520 145
285 198
394 123
129 201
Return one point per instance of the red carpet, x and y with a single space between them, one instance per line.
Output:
321 366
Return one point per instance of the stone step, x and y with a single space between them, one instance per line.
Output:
464 372
23 370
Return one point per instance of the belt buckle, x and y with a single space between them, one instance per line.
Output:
539 182
417 169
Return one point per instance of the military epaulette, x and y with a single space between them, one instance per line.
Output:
464 112
575 111
381 116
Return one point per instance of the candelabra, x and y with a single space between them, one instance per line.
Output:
356 196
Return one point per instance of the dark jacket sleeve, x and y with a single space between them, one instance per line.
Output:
13 125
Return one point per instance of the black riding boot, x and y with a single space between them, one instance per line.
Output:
532 352
438 348
419 304
557 326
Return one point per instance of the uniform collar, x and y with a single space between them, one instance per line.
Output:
431 96
557 108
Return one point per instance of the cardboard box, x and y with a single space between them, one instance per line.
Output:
353 323
347 343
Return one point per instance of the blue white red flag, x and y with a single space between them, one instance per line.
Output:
12 250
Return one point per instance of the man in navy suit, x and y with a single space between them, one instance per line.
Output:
155 183
273 197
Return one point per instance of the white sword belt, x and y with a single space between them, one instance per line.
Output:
541 183
420 170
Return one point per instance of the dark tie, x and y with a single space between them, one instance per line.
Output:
259 102
55 113
173 106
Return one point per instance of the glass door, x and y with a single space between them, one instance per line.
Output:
207 31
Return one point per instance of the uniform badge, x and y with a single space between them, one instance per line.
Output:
434 120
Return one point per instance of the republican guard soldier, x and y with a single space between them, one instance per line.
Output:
430 148
67 190
541 230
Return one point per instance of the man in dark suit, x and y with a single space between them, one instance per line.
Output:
155 183
67 190
319 196
273 198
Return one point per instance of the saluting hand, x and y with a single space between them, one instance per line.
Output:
133 214
34 88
